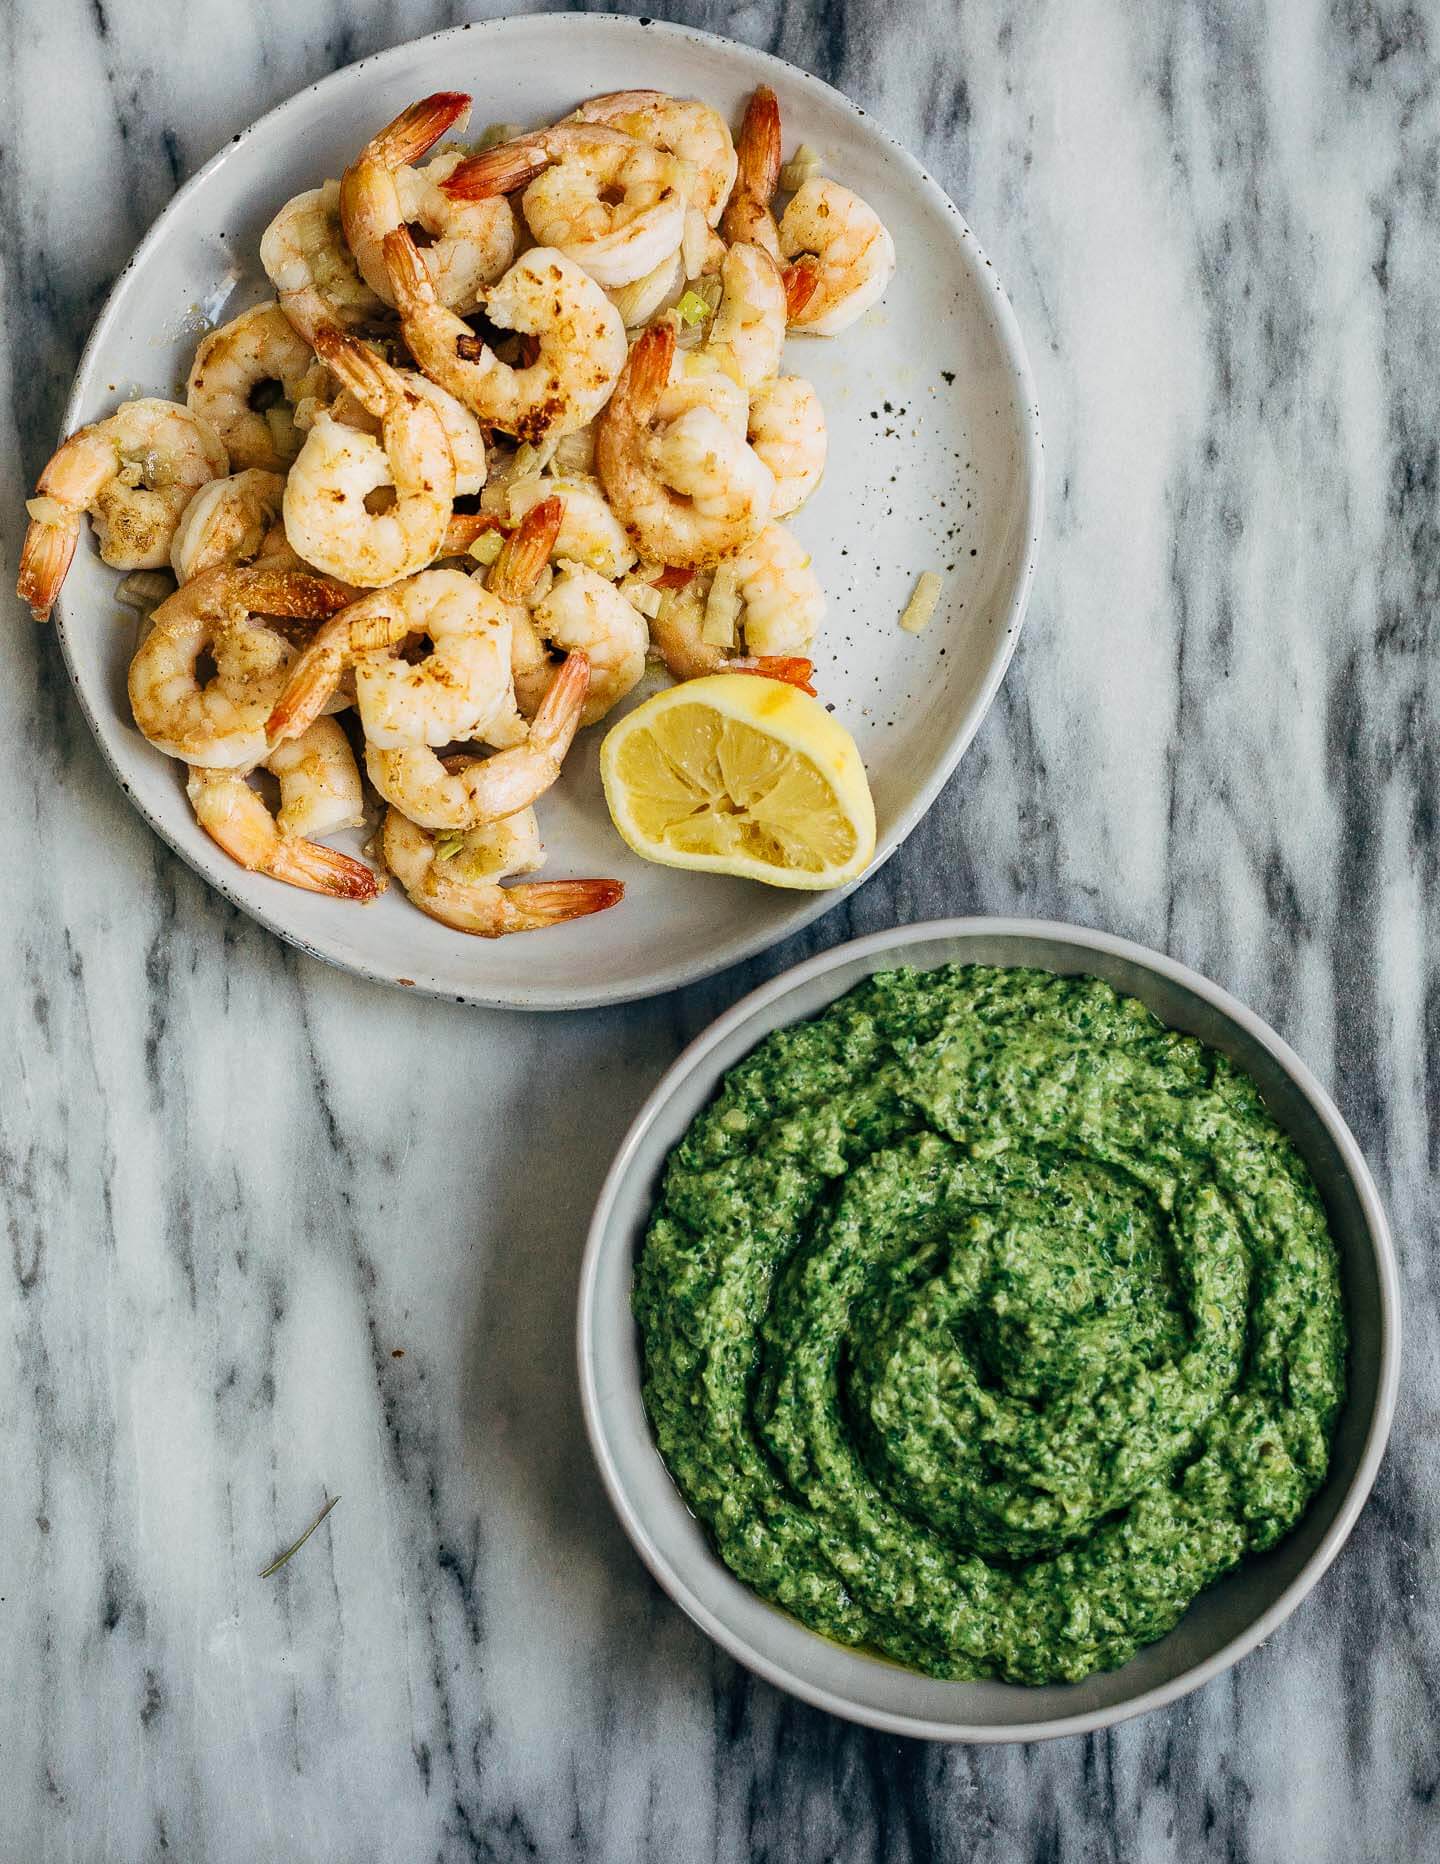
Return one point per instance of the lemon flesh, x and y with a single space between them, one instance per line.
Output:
736 774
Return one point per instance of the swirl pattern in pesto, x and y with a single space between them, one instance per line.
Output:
986 1321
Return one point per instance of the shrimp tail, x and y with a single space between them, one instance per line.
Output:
647 371
318 869
554 726
369 378
418 129
502 170
757 148
411 284
44 559
801 280
792 669
313 678
297 595
463 529
540 903
527 550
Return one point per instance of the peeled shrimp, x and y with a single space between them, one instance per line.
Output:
841 257
246 379
582 610
463 431
781 594
221 723
456 691
678 126
580 334
327 514
748 217
787 430
677 634
463 793
315 277
471 241
463 890
612 205
230 521
134 474
319 782
319 793
748 331
690 492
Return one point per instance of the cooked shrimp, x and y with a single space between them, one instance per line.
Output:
589 532
783 601
580 334
469 791
748 217
319 782
677 635
306 259
134 474
465 434
221 723
614 206
471 242
455 692
787 430
582 610
698 380
748 331
688 493
230 521
460 886
840 255
319 793
245 380
328 518
678 126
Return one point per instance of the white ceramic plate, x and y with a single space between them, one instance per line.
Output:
925 472
1225 1621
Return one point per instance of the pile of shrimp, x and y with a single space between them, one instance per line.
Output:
513 425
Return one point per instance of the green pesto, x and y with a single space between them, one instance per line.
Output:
986 1321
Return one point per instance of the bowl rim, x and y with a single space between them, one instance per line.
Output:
1008 612
896 940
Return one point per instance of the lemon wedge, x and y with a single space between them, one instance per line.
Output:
737 774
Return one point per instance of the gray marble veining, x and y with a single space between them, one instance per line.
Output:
273 1232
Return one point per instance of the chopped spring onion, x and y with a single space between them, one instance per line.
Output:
722 608
494 133
692 308
802 166
643 596
530 461
923 602
487 547
145 589
575 452
448 846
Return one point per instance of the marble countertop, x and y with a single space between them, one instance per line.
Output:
272 1231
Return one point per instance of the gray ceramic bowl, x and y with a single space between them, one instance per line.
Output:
1225 1622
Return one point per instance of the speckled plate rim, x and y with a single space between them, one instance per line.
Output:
1008 614
895 942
